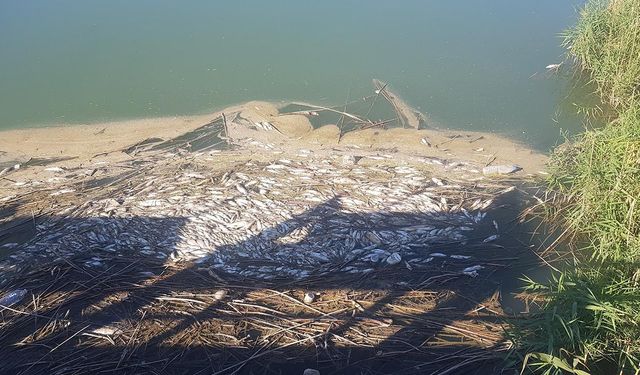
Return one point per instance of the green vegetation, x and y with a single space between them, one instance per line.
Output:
589 322
606 43
599 177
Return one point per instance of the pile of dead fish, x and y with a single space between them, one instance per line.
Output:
285 219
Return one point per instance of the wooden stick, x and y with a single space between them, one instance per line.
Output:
378 93
224 122
349 115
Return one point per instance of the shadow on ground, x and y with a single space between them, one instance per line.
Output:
137 314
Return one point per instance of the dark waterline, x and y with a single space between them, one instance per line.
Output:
468 64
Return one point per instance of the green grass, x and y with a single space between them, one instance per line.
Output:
599 175
589 318
606 43
589 323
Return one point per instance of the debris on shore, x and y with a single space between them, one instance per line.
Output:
408 116
285 218
265 239
500 169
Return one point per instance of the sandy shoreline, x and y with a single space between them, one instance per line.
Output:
86 140
83 142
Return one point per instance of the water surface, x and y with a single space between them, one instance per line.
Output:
469 64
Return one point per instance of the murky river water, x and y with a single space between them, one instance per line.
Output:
468 64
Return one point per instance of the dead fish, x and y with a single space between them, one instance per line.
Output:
63 191
225 177
501 169
507 190
13 297
54 169
151 203
105 331
241 189
394 258
460 256
348 160
491 238
195 175
472 271
217 217
473 268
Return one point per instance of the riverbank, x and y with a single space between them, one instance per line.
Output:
256 235
87 142
589 323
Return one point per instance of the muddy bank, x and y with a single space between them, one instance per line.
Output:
257 235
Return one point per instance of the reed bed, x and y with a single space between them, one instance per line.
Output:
589 322
605 44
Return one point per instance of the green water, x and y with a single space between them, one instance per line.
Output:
468 64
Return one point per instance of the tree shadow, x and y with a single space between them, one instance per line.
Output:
415 306
14 231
